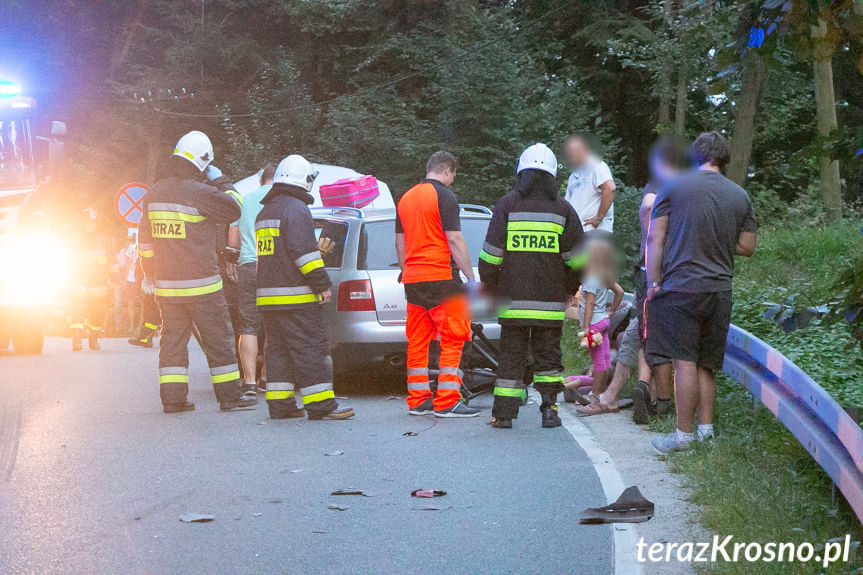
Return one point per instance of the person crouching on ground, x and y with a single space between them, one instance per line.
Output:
292 288
600 297
526 261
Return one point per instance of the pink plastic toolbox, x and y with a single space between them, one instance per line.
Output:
350 192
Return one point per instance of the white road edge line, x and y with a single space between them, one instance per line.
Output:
624 535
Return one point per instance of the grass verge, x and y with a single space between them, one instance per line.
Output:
756 482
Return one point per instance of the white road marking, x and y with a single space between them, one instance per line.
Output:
624 535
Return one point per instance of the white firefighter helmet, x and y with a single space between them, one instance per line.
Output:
196 148
295 170
538 157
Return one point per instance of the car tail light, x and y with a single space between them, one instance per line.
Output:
356 295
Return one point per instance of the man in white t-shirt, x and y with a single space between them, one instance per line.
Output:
590 188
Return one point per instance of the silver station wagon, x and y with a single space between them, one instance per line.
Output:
368 312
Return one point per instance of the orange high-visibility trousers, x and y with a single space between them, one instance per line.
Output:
450 323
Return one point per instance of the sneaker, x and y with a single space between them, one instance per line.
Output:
239 403
145 342
641 405
706 437
250 389
262 386
337 413
458 410
178 407
425 408
667 443
501 423
550 417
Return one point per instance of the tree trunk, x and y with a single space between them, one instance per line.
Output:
745 112
680 104
825 104
664 112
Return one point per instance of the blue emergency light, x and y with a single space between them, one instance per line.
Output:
9 89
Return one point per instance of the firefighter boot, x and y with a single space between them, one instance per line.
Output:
77 338
178 407
548 408
144 338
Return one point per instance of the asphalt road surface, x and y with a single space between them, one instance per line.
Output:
93 479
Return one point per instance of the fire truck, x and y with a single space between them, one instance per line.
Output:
34 263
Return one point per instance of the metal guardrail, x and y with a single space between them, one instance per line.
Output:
827 432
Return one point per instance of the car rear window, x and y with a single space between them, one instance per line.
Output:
337 232
378 249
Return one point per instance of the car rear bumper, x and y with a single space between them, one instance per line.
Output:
362 344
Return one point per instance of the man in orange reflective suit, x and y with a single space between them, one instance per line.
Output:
431 250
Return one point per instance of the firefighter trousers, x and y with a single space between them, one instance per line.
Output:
516 341
449 322
209 315
297 359
151 316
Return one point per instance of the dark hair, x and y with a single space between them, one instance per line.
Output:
440 161
670 150
711 147
268 172
537 182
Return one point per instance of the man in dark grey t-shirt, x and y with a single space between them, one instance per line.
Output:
699 222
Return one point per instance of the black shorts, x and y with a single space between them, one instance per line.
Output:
249 318
689 327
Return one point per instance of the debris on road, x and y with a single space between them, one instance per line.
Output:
393 398
410 434
196 518
297 470
351 491
630 507
318 531
338 507
334 453
431 508
427 493
258 514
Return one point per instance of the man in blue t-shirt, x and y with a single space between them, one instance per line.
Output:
243 232
700 221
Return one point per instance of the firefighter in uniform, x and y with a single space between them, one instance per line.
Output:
176 244
151 318
292 287
91 297
431 249
529 261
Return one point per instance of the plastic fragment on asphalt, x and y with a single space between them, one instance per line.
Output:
336 452
430 508
410 434
393 398
351 491
338 507
318 531
427 493
630 507
257 514
297 470
196 518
